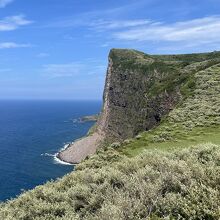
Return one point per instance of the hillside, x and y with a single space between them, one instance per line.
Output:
141 89
156 109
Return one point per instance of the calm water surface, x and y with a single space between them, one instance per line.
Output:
30 133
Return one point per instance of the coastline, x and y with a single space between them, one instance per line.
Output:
58 160
75 152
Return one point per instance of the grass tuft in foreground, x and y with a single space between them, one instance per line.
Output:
154 185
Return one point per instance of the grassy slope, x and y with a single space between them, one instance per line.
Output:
154 184
194 121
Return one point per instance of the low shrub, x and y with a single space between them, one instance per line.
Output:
154 185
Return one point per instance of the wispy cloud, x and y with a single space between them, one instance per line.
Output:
189 33
195 33
100 17
9 45
62 70
74 69
202 30
114 27
4 3
13 22
93 22
105 45
103 25
42 55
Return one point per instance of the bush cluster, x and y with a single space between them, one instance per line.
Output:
203 108
178 185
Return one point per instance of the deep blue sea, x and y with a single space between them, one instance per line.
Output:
30 133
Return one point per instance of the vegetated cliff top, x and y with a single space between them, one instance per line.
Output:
193 57
195 116
165 178
142 89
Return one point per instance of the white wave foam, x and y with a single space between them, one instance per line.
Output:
49 155
55 156
66 145
58 160
75 120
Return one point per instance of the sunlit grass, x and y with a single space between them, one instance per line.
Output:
195 121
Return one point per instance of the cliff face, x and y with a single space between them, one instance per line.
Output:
129 107
141 89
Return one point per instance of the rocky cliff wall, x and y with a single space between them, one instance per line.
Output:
140 90
129 104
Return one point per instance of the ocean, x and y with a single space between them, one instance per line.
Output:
31 133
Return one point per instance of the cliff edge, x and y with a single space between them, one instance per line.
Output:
140 90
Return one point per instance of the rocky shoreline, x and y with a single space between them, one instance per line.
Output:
77 151
89 118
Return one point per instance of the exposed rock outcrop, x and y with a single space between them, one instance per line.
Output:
140 90
129 107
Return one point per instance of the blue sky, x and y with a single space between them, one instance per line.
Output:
55 49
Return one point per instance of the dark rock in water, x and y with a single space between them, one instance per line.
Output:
89 118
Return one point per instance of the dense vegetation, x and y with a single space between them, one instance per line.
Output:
154 185
195 120
169 172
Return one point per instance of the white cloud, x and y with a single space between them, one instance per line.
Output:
9 45
98 24
190 33
42 55
4 3
105 45
91 17
62 70
13 22
117 24
74 69
203 30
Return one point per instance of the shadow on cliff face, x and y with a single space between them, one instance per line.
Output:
141 89
128 105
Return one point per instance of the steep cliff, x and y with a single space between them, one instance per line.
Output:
141 89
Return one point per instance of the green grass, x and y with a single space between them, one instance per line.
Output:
189 58
195 120
166 72
197 136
